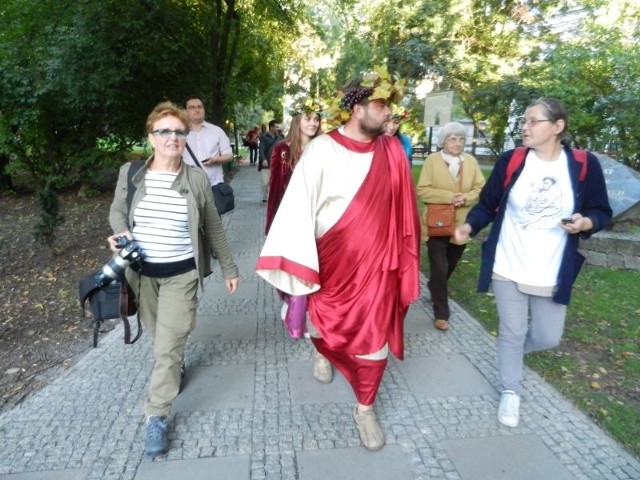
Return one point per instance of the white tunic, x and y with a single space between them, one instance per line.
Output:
323 184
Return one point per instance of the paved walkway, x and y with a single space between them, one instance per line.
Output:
251 409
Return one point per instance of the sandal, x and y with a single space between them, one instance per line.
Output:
322 370
370 432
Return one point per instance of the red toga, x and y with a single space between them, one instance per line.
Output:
369 260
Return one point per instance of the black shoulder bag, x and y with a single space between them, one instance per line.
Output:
222 192
116 298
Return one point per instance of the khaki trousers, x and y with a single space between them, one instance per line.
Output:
167 308
265 175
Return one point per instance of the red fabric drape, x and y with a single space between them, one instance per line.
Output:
364 376
369 259
281 171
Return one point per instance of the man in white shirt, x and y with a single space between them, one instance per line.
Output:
207 141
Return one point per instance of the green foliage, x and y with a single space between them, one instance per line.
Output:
597 75
499 55
75 73
49 216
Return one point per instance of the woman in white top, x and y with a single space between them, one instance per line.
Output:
539 209
173 219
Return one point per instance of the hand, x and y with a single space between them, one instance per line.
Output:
458 200
112 240
578 224
462 233
231 284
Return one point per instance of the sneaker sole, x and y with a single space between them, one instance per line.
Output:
507 423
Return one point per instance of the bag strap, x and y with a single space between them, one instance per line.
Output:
514 162
519 154
96 332
134 168
581 157
193 156
123 309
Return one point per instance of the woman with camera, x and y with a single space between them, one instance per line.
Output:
539 208
173 219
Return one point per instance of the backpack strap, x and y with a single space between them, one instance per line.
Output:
514 162
518 157
135 167
126 304
581 157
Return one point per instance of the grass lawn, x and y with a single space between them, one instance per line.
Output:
597 365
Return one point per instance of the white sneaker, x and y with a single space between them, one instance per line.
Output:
509 409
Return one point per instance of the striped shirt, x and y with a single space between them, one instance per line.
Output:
161 223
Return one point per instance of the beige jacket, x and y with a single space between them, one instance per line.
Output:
205 227
436 185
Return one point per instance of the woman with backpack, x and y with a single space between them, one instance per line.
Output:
539 205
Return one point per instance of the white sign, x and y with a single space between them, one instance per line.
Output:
437 108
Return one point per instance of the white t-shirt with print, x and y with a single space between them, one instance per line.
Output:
531 240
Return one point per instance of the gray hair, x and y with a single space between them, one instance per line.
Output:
555 110
449 129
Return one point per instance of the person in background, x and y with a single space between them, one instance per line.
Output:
448 176
267 142
173 219
207 141
532 265
347 235
305 125
253 142
393 129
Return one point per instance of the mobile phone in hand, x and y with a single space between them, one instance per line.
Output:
566 220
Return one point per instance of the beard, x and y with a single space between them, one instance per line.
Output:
371 128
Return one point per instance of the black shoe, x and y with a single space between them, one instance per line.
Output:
157 441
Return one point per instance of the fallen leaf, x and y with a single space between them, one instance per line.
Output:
595 385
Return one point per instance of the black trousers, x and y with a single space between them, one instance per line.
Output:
443 259
253 155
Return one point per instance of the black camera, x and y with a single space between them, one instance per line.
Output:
129 253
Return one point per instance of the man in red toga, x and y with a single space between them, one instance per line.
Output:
347 235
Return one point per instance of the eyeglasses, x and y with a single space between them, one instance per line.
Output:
167 132
532 122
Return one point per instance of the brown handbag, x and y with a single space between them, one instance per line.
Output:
440 219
